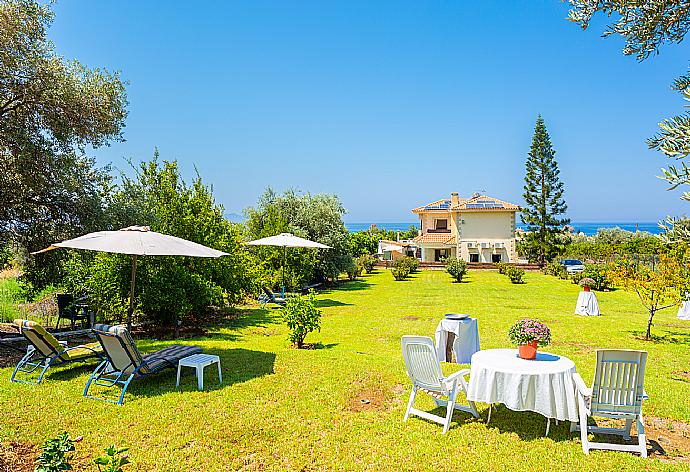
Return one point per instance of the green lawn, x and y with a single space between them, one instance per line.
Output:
282 408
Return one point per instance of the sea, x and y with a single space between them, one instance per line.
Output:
587 227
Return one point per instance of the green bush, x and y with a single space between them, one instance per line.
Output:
598 273
456 268
113 460
576 277
367 261
410 263
555 269
501 266
302 317
400 273
56 454
354 271
515 274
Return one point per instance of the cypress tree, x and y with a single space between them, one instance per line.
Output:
543 196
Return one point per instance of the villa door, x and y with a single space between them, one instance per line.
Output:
441 254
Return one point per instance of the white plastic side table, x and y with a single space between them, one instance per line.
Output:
199 361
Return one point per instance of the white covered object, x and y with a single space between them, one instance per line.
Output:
587 304
466 339
684 311
544 385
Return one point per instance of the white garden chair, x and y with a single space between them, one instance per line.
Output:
617 392
424 369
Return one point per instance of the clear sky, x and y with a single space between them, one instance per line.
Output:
389 105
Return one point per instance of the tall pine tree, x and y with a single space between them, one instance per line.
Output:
543 197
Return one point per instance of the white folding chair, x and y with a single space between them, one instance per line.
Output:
424 369
617 392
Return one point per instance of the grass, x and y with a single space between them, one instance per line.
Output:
11 294
282 408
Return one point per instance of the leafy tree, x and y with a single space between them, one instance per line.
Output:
168 288
50 111
676 230
658 287
646 25
314 217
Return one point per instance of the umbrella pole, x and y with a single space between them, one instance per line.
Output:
130 311
283 287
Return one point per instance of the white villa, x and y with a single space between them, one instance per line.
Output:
475 229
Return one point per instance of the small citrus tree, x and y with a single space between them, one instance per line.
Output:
660 287
302 317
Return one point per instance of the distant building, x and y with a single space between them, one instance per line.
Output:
394 250
475 229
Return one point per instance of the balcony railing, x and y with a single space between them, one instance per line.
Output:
438 230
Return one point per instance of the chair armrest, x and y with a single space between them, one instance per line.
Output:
454 376
581 387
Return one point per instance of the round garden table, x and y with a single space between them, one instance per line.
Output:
544 385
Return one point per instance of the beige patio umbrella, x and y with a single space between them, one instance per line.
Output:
136 241
286 240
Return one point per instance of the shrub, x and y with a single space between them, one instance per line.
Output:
456 268
302 317
555 269
598 273
367 261
515 274
353 271
528 330
410 263
56 454
400 273
113 460
576 278
501 266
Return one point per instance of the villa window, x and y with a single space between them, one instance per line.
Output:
496 258
474 257
441 225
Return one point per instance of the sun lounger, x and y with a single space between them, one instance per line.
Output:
46 351
125 363
269 297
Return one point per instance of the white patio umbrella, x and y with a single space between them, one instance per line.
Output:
286 240
136 241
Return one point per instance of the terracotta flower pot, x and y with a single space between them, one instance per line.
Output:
528 351
586 288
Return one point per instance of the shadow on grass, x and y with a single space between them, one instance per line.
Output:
669 337
237 365
348 286
328 302
527 425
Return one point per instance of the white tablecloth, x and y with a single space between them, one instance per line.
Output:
544 385
684 311
466 339
587 304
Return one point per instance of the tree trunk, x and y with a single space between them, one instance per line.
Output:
648 336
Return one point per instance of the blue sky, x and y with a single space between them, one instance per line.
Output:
389 105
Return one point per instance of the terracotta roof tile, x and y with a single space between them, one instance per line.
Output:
436 238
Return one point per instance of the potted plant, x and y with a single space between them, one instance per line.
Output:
586 283
528 334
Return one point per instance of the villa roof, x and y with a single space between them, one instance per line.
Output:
436 238
475 203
